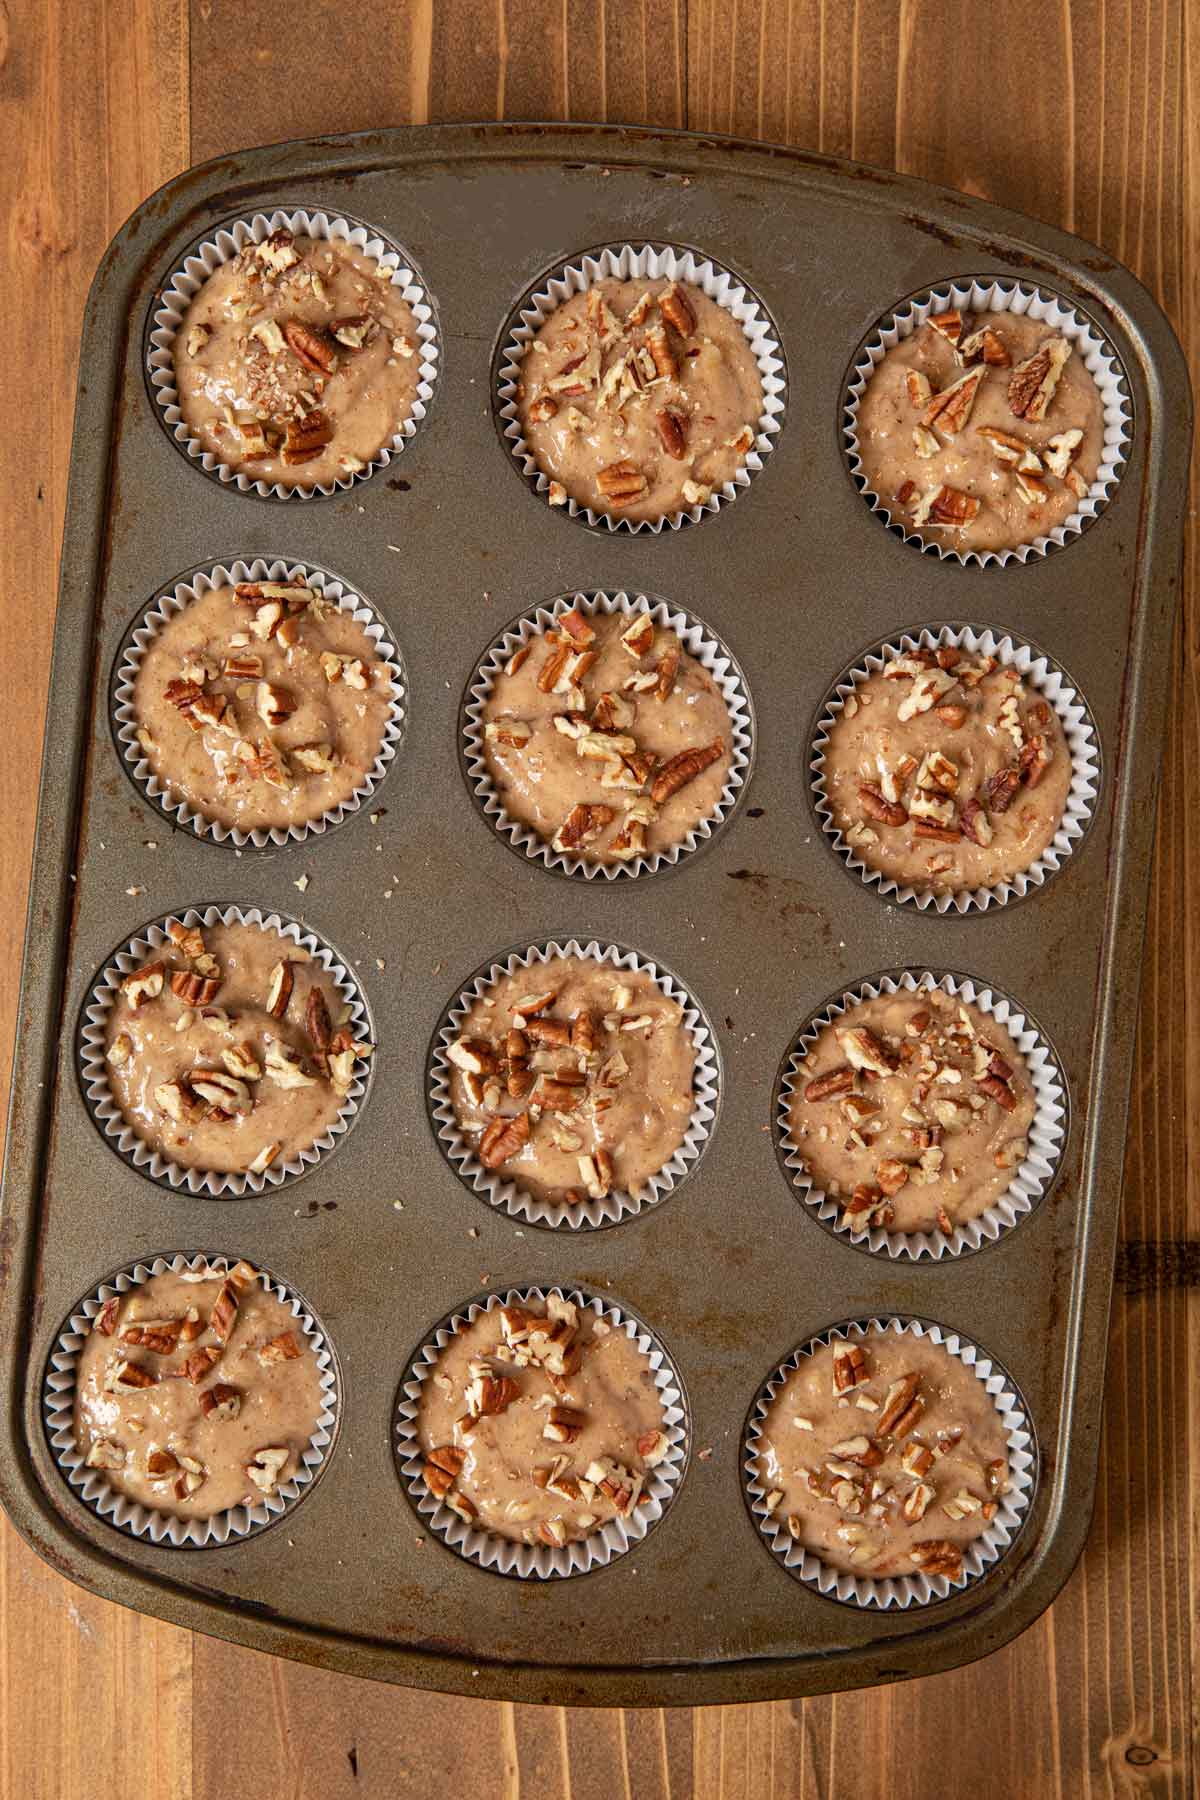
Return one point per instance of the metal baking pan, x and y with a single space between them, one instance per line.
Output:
796 577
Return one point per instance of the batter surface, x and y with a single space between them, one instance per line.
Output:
884 1456
946 770
262 705
639 398
574 1079
540 1422
197 1394
607 738
914 1110
981 433
298 361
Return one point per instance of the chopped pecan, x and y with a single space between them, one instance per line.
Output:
313 348
998 1090
865 1050
582 825
159 1336
1002 789
284 1348
1035 758
947 324
985 345
849 1368
143 984
503 1139
918 389
355 333
105 1321
307 437
279 989
563 1425
1032 383
621 483
975 824
937 1556
542 409
220 1402
873 803
317 1022
899 1398
671 433
223 1316
676 309
951 409
193 989
200 1362
950 506
683 768
941 834
659 346
891 1175
833 1082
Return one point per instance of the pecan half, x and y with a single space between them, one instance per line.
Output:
307 437
193 989
951 409
1002 789
313 348
676 309
683 768
899 1398
503 1139
582 824
621 483
317 1022
1032 383
833 1082
873 803
671 433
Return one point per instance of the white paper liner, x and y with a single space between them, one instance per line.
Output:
699 642
1079 734
167 606
507 1195
505 1556
917 1589
93 1069
228 241
646 262
119 1509
1031 1180
984 297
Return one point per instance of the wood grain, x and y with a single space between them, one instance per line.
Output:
1086 114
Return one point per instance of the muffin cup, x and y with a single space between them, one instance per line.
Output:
1079 734
981 1554
129 1515
166 606
980 297
1031 1180
505 1194
227 242
698 641
647 262
505 1556
93 1069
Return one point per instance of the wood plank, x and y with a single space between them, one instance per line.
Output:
1075 112
92 1698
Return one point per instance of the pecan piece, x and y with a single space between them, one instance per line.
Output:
684 768
1002 789
307 437
1032 383
899 1398
951 409
223 1316
659 346
105 1321
676 309
317 1022
950 506
975 824
313 348
987 346
220 1402
621 483
503 1139
279 989
874 804
998 1090
671 433
582 825
193 989
849 1368
948 325
937 1556
355 333
835 1081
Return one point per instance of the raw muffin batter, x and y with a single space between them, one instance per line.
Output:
297 361
539 1423
573 1078
884 1455
197 1392
262 705
981 433
230 1049
945 771
639 398
914 1109
607 738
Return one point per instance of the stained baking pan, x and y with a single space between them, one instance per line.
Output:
762 925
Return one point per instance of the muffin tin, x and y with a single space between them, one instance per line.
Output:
762 923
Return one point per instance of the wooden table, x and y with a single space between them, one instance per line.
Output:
1073 111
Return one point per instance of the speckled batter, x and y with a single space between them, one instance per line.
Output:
1024 483
845 1451
639 398
298 361
587 719
540 1423
563 1120
947 771
914 1109
256 1376
277 1080
241 755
